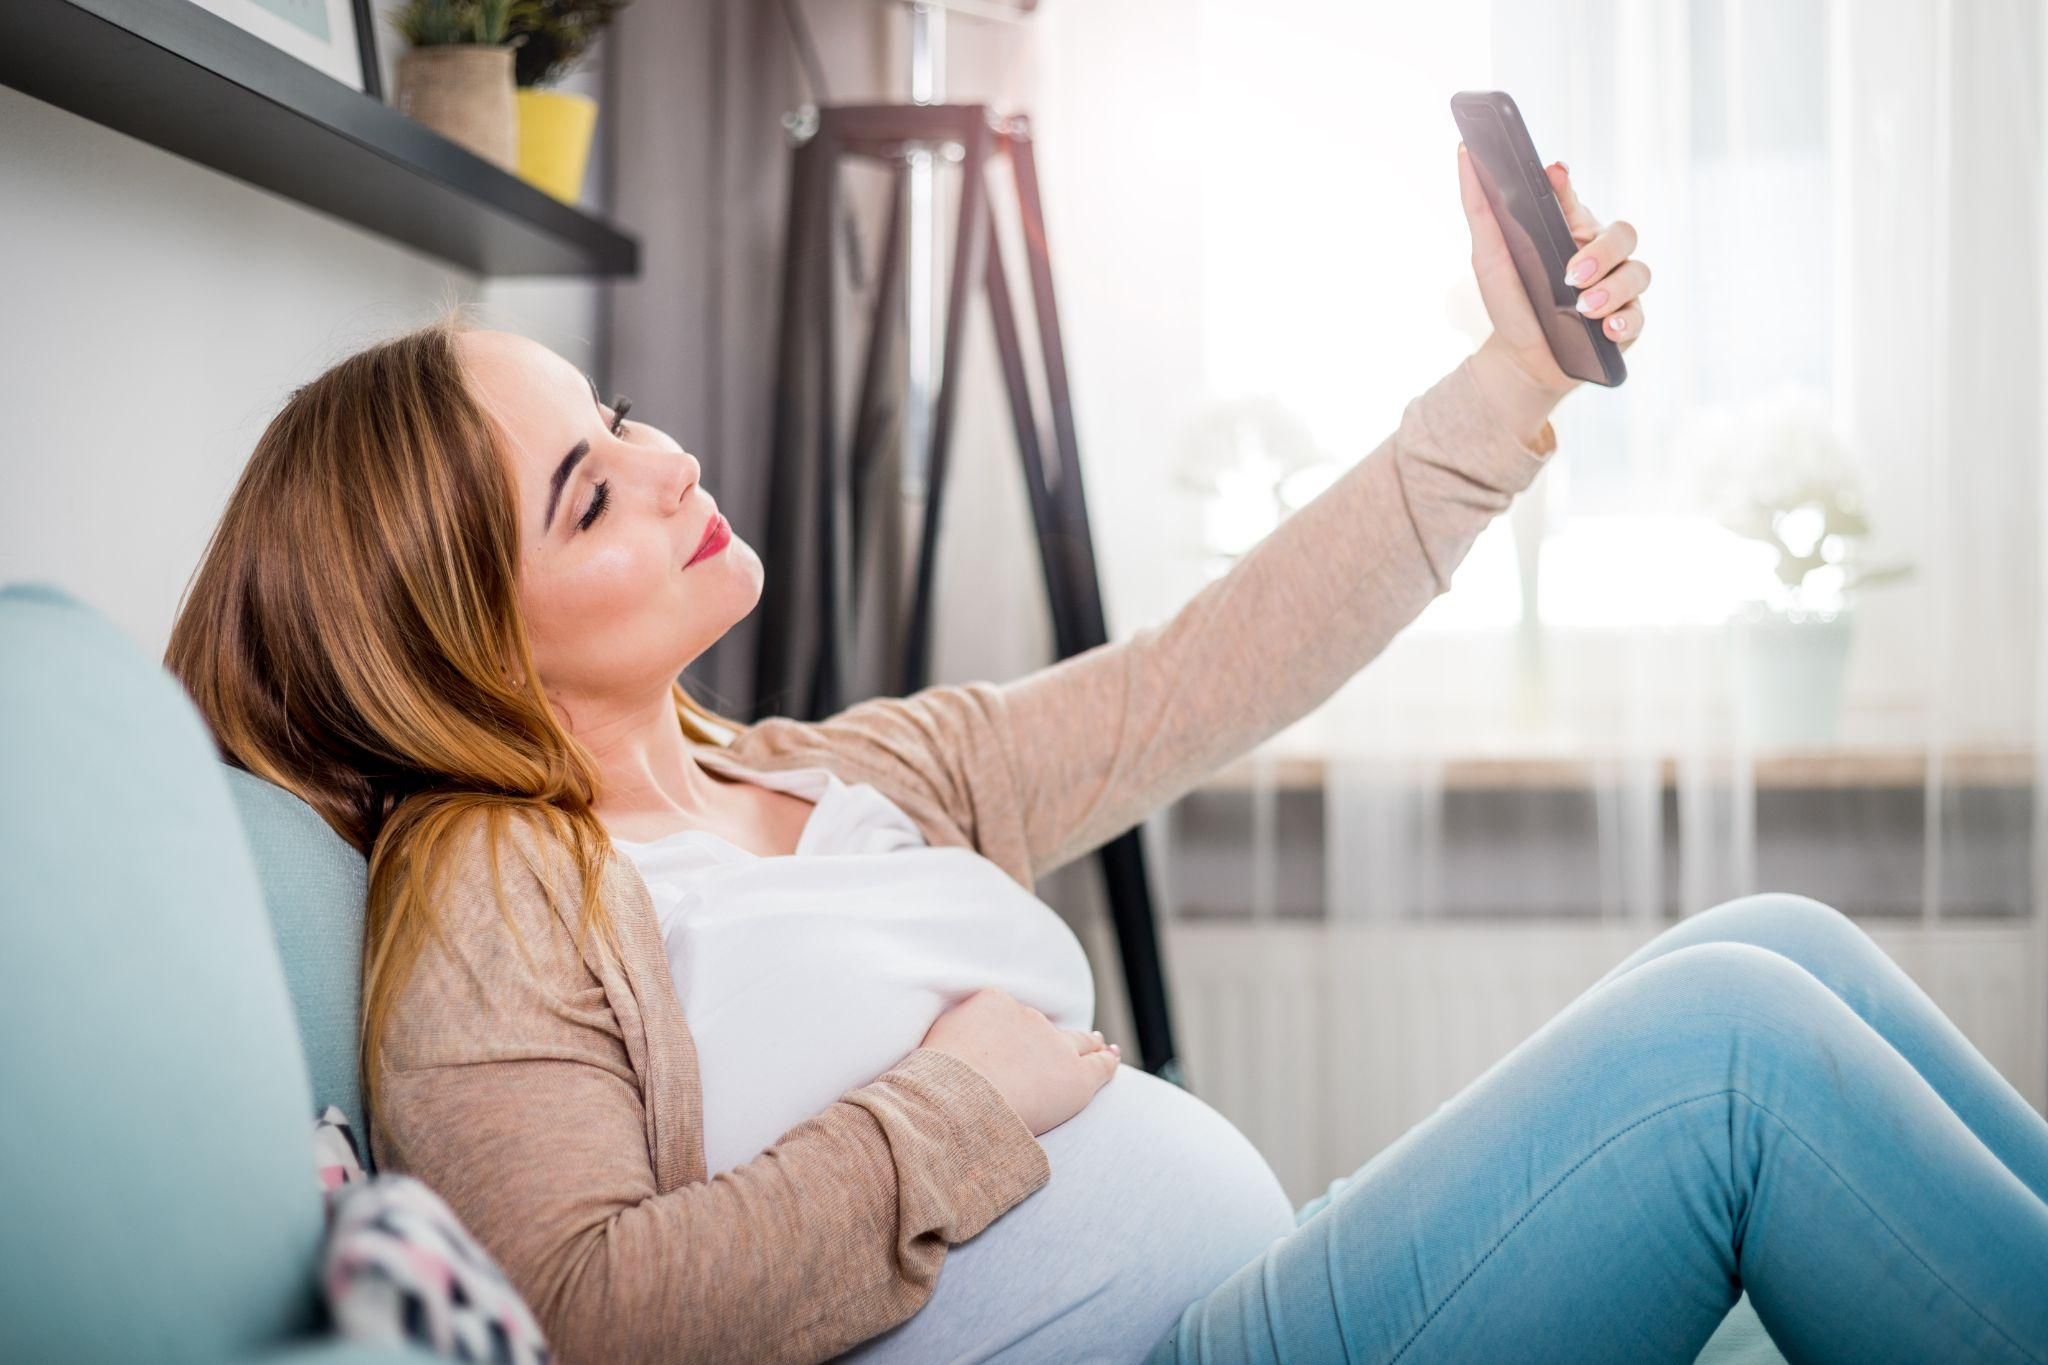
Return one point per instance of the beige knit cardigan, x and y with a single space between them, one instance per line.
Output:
548 1090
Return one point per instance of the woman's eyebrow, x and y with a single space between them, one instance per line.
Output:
560 477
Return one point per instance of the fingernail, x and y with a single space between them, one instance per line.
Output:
1114 1048
1580 271
1564 167
1588 302
1618 322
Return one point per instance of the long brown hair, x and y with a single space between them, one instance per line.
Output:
353 629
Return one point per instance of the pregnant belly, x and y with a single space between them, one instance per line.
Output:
1155 1198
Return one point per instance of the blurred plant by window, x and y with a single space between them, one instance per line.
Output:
1772 469
1252 461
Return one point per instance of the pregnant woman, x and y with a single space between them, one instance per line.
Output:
751 1042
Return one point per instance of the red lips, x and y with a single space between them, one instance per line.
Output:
716 533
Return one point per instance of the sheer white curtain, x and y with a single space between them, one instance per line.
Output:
1623 712
1843 206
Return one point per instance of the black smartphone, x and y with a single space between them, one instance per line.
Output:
1526 208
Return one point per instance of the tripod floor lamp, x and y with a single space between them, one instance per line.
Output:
807 453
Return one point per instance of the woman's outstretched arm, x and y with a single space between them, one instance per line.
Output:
1099 740
1041 770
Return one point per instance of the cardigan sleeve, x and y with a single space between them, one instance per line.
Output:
1105 737
508 1086
1056 763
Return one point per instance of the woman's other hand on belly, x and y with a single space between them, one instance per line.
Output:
1046 1073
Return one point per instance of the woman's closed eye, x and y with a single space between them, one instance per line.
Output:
602 497
599 500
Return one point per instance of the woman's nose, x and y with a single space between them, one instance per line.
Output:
674 475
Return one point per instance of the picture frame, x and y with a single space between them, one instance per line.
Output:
335 36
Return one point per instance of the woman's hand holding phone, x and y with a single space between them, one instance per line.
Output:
1515 364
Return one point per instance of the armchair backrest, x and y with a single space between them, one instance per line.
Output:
157 1190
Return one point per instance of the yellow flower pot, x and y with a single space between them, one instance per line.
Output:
554 140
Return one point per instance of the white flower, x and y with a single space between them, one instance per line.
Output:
1773 469
1253 462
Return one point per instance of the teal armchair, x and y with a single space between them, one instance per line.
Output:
158 1200
179 983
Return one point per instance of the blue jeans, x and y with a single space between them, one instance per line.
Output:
1757 1099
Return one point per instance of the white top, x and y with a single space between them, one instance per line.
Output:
804 976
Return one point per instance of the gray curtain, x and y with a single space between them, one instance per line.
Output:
698 164
697 160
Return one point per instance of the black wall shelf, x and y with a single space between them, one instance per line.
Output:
192 83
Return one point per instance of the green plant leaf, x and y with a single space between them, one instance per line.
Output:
554 35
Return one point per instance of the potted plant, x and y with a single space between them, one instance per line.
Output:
555 125
1775 472
456 76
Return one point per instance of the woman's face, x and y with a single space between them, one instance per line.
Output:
607 523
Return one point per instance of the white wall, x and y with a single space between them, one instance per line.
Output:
155 315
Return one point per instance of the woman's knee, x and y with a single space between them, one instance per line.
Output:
1708 990
1729 1018
1812 933
1780 906
1795 926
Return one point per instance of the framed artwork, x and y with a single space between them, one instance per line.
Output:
337 36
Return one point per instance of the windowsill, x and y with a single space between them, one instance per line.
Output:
1847 768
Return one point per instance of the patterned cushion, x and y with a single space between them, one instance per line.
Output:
400 1268
334 1153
